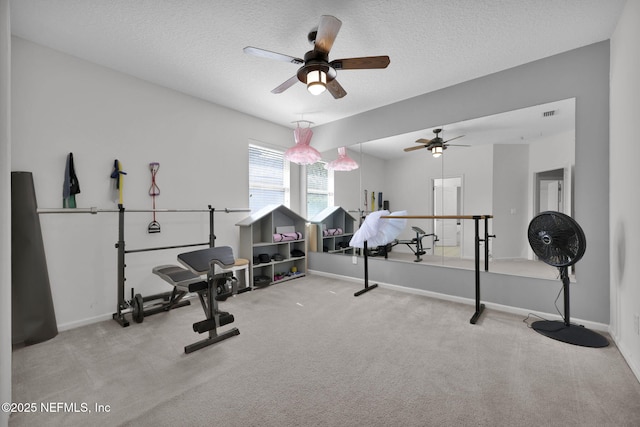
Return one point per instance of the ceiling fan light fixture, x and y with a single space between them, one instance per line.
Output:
436 152
316 82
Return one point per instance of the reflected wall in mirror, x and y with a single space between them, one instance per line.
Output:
447 200
511 165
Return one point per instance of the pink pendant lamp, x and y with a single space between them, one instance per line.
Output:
302 153
343 162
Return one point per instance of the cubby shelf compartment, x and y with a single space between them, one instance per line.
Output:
257 237
332 218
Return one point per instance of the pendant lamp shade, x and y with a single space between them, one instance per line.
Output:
302 153
343 162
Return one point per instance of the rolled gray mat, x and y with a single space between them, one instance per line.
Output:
33 318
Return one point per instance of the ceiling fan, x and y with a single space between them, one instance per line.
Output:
317 72
435 145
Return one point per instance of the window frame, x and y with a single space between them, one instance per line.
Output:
286 176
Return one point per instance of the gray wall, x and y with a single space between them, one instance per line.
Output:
510 178
412 176
511 291
581 73
625 176
349 186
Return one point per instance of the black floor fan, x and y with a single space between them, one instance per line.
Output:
558 240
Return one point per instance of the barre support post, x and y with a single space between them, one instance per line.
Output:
487 236
479 306
118 316
366 274
486 244
212 236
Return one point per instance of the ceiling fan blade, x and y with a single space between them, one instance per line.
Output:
286 85
335 89
255 51
363 63
327 32
415 148
423 141
453 138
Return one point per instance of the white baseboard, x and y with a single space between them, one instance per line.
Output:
78 323
469 301
626 355
88 321
596 326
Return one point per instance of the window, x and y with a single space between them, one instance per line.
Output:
319 188
268 178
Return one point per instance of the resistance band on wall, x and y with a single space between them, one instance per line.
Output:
154 226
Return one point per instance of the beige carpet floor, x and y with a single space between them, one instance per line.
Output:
309 353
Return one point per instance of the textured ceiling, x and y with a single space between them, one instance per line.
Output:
195 46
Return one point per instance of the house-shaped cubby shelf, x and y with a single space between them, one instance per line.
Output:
331 230
274 241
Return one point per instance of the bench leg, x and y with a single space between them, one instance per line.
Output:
210 306
212 339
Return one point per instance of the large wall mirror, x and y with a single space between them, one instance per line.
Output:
511 165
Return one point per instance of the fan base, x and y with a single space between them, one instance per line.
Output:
572 334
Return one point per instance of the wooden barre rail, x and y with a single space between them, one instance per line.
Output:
438 216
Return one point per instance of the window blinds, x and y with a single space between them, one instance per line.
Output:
268 178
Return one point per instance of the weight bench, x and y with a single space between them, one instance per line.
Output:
216 287
419 250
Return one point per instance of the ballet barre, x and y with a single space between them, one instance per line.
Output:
476 219
135 305
96 210
118 316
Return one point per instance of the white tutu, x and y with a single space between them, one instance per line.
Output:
379 231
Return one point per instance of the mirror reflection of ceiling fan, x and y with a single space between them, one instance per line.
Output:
435 145
317 72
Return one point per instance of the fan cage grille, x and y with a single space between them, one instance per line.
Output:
556 239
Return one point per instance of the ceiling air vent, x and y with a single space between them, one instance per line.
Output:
549 113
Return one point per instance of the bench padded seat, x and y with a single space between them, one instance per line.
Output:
181 278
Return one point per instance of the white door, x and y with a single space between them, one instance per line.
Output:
551 195
446 203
